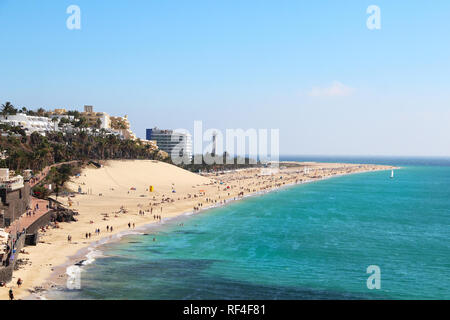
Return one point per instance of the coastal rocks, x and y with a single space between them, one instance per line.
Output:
37 289
79 263
65 215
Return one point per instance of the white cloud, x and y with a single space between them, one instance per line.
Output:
337 89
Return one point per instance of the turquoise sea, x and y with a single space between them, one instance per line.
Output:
310 241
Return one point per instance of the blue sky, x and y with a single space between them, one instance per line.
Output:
309 68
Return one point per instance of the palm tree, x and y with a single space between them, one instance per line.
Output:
8 108
41 112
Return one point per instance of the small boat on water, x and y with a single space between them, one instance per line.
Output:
392 174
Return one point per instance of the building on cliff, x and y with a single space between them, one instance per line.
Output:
14 197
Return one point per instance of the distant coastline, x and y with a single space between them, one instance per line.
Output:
380 160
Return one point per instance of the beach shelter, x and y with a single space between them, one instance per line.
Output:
151 188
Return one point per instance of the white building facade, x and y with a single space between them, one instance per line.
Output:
172 142
30 124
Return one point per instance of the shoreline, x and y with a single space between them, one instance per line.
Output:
81 256
49 276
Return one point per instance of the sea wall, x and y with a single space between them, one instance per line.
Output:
31 237
42 221
59 215
7 272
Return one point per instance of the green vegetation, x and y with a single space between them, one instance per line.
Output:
4 127
76 114
56 177
60 175
8 108
36 152
41 192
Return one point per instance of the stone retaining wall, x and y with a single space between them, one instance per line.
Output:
7 272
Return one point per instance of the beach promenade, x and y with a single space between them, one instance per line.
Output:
38 207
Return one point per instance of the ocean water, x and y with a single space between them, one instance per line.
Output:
310 241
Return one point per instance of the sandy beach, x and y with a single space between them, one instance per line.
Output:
119 195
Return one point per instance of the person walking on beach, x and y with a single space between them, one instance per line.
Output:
133 225
107 228
129 225
11 294
69 238
19 282
87 235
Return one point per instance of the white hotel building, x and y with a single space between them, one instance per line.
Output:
171 141
30 123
